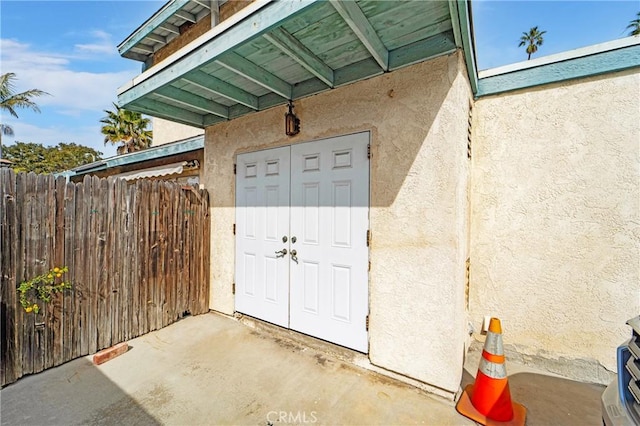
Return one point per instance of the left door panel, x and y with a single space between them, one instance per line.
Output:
262 220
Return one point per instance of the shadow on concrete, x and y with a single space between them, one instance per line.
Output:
553 400
73 393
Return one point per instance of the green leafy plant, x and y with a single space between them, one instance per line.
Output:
42 287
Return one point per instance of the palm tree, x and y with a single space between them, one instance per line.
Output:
532 40
10 101
634 26
126 128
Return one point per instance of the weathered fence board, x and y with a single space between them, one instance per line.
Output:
138 259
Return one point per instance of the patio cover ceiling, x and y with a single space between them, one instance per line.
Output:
275 51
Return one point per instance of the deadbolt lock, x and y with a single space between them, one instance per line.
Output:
284 239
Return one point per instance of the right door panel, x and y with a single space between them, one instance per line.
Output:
329 221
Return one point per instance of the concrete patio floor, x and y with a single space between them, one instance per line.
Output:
211 370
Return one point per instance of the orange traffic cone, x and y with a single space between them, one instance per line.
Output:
488 400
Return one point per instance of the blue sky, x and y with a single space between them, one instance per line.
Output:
68 48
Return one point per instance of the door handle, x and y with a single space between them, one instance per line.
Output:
294 256
281 253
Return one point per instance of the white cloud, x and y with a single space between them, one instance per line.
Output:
71 91
103 44
78 94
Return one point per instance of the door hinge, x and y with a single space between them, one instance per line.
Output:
233 288
234 229
367 323
369 266
368 237
369 151
235 169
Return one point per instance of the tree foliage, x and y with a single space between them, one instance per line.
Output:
532 39
10 101
634 26
34 157
125 128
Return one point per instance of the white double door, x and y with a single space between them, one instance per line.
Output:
302 215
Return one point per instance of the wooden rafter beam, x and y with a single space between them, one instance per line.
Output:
221 88
143 48
160 109
171 28
203 3
189 99
157 38
360 25
186 16
247 69
289 45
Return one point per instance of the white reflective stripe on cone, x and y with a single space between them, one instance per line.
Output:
493 343
492 369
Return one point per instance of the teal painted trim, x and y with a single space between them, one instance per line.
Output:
210 120
308 87
422 50
156 152
171 111
188 99
147 28
258 75
359 71
254 26
301 54
360 25
467 44
86 170
455 22
221 88
144 106
596 64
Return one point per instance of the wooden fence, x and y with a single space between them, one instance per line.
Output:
138 259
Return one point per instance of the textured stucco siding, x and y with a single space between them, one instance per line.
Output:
165 131
417 117
555 231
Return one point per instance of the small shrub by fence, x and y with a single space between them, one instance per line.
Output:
138 259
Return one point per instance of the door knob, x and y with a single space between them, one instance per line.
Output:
294 256
281 253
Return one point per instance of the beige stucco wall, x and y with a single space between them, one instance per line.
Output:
417 117
555 234
165 131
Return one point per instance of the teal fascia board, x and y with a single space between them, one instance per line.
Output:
592 65
152 153
468 46
154 22
157 152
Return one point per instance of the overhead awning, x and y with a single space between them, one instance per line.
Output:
274 51
164 26
165 170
